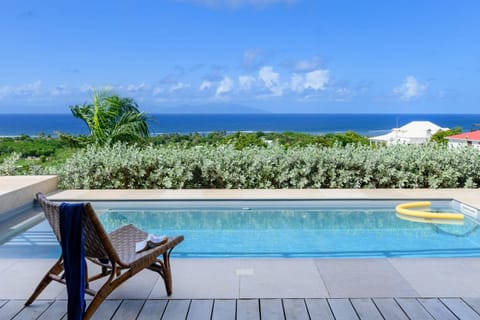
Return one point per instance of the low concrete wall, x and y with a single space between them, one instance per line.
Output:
16 191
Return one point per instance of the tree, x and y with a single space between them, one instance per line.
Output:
440 137
111 119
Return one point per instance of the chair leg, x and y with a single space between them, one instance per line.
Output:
163 268
101 295
111 284
167 273
56 269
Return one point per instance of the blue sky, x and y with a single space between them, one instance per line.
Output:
396 56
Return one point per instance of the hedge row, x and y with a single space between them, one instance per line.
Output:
402 166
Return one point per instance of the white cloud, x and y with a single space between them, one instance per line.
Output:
205 85
224 86
108 88
271 80
136 87
246 82
60 90
317 79
410 89
158 90
29 89
306 65
296 83
86 88
178 86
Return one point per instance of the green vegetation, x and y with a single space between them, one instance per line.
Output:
31 152
9 165
241 140
295 139
239 160
47 151
440 137
112 119
353 166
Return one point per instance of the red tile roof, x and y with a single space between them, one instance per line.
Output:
471 136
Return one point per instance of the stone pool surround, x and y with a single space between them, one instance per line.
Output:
17 191
470 197
268 278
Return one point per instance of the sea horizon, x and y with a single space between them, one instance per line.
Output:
368 124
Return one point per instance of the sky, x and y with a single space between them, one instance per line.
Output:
281 56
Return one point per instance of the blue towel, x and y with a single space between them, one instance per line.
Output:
71 231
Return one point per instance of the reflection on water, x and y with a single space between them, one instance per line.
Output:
303 233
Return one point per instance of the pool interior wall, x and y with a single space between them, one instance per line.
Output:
261 237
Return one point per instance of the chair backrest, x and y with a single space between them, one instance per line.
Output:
97 243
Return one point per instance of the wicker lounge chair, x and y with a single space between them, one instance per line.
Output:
113 252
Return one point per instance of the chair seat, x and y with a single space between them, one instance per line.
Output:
124 239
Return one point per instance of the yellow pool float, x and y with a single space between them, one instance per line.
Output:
430 221
405 209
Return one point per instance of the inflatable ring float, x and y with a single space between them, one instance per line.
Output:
406 209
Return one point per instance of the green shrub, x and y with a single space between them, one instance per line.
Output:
441 136
353 166
9 165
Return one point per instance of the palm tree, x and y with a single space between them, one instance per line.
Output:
111 118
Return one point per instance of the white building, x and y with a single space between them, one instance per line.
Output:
465 139
415 132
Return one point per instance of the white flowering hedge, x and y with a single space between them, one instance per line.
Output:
9 165
402 166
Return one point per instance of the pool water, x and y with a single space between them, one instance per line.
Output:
286 229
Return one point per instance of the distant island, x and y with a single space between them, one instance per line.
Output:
210 109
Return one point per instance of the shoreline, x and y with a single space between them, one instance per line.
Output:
363 124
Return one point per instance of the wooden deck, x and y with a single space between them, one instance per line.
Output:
253 309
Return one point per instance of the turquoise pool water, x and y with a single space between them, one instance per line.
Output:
281 229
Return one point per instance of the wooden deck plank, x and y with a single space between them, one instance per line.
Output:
460 308
390 309
106 309
129 309
342 309
437 309
224 310
366 309
11 308
271 309
57 310
319 309
152 310
248 309
295 309
265 309
176 310
200 310
474 303
414 309
33 311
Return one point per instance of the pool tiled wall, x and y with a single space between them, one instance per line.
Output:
17 191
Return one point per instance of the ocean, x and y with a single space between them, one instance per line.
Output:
364 124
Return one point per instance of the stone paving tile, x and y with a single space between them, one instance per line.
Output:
358 278
201 278
6 263
441 277
20 279
137 287
281 278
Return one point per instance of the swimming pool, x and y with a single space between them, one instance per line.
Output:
276 229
